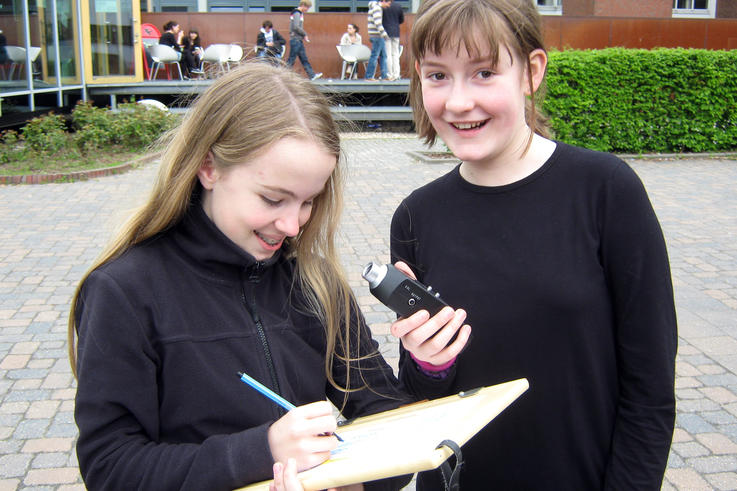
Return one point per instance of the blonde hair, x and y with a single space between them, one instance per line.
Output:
305 3
241 114
477 26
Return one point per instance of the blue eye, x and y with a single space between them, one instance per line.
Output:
486 73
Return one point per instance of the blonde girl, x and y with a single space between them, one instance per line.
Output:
554 253
229 266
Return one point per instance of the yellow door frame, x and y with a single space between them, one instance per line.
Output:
90 78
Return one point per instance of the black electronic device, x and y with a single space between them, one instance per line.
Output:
399 292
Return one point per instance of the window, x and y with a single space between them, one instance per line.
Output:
550 7
694 8
689 4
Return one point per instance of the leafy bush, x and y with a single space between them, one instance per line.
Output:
93 126
137 126
133 127
10 150
46 134
99 138
633 101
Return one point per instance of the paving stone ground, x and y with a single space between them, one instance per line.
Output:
49 234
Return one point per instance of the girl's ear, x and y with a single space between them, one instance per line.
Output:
538 62
417 68
208 174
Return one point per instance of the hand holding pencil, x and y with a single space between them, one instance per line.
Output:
304 434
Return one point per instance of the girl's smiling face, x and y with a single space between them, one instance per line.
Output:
476 107
261 202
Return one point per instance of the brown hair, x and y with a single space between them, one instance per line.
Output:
239 115
476 25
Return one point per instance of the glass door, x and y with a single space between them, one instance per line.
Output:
112 41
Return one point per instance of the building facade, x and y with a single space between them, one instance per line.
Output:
586 8
56 49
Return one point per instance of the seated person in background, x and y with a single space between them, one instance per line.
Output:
348 38
269 42
351 35
192 51
173 36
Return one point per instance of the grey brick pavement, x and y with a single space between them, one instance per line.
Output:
50 233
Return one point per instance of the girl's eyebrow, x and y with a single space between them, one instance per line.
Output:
291 194
277 189
473 62
430 64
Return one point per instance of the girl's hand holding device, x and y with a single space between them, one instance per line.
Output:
436 340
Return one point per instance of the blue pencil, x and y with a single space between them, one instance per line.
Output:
247 379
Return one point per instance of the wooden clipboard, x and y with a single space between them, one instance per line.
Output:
404 440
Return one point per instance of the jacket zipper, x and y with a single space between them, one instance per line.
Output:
254 277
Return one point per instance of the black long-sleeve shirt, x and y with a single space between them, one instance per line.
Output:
566 281
169 39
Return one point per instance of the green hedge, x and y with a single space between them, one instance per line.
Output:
635 101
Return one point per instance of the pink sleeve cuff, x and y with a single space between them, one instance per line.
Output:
429 367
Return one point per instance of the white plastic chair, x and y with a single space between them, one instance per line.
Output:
34 51
16 57
162 55
352 55
216 54
235 55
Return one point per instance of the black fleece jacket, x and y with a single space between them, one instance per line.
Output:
163 331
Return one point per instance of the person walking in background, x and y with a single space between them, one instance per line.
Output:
378 37
351 36
269 42
297 38
555 255
393 16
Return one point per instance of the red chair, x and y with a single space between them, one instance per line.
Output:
150 34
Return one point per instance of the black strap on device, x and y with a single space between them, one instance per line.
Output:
451 476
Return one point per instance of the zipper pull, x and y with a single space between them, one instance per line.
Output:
254 272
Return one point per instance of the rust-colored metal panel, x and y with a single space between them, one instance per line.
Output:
721 34
552 31
684 33
585 33
324 30
637 33
561 32
214 27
